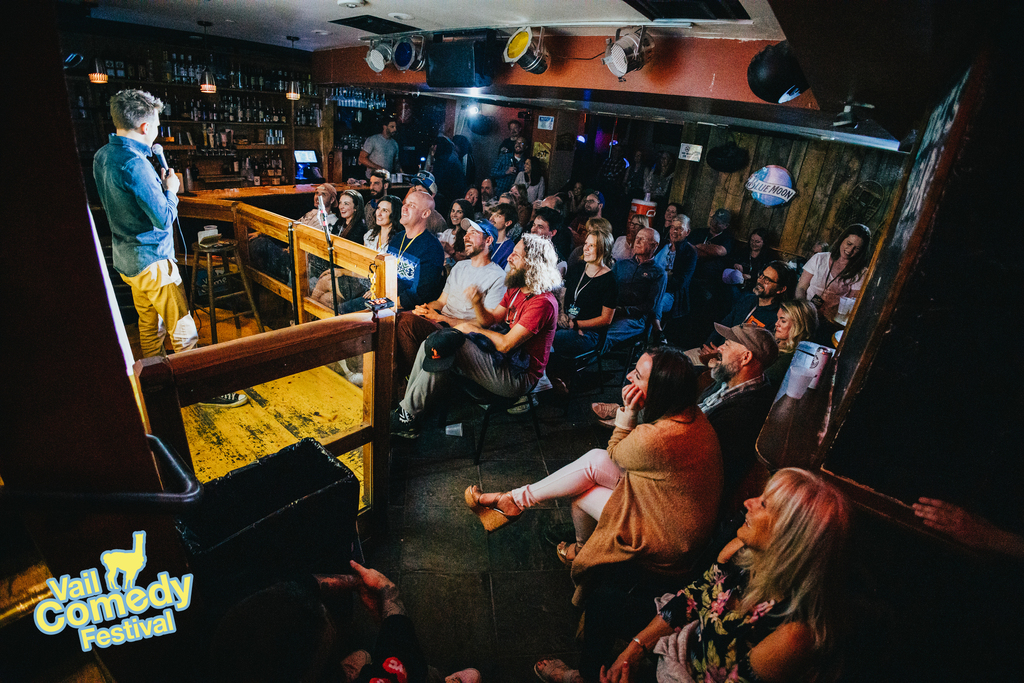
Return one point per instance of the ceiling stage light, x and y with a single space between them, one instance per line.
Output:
378 56
631 49
409 54
520 49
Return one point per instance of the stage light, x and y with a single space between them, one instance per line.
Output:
631 49
409 54
520 49
473 110
582 139
378 56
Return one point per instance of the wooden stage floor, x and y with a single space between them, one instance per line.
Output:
318 403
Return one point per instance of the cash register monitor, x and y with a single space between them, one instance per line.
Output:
306 166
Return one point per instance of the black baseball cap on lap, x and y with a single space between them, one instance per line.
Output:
440 347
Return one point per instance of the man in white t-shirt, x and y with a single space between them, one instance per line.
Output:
453 306
380 152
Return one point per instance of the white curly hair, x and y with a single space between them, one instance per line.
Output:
541 265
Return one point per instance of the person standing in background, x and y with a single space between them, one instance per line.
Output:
380 152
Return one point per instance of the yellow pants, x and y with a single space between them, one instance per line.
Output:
161 304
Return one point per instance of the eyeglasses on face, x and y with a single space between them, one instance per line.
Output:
762 276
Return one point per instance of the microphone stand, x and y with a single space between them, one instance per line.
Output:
322 214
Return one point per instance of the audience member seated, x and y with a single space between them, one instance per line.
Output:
768 609
623 247
752 258
671 211
738 402
487 196
453 238
650 499
524 207
714 246
349 286
547 223
591 292
288 633
658 179
517 229
641 286
506 361
679 259
350 225
420 256
503 218
760 308
796 322
576 196
272 256
473 197
532 176
452 306
830 275
593 205
380 185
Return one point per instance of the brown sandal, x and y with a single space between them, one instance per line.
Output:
563 552
490 516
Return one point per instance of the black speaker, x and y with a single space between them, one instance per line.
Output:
459 64
774 75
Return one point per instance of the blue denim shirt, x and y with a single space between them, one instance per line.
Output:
140 211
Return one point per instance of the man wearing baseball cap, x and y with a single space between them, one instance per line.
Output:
738 402
453 306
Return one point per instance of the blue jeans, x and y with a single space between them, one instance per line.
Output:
621 330
570 343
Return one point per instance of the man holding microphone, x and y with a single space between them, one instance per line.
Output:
141 207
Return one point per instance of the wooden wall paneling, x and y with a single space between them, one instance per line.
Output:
847 177
805 183
758 158
780 219
687 171
736 181
819 203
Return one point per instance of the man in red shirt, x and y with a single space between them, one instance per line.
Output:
506 348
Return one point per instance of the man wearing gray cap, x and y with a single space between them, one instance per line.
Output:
738 402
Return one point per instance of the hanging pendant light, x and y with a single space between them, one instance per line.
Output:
207 81
292 92
99 74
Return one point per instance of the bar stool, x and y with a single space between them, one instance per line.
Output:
225 250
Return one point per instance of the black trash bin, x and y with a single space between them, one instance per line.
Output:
286 515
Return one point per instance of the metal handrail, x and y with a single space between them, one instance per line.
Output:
171 467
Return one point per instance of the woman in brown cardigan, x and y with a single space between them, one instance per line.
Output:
651 497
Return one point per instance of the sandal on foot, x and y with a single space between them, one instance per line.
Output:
563 550
490 516
605 411
556 671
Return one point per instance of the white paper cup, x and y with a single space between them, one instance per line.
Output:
799 380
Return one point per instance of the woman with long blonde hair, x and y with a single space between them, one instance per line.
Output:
766 610
797 321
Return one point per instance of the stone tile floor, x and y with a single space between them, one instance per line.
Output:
497 602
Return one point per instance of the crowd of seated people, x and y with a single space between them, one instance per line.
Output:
532 282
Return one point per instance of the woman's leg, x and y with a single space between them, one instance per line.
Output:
593 469
586 510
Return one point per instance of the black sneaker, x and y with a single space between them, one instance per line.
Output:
232 400
404 425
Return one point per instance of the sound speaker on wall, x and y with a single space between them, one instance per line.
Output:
459 64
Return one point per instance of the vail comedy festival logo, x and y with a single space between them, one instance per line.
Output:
81 603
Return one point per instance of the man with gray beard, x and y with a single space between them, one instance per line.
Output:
737 404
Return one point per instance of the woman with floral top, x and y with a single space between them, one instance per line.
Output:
765 611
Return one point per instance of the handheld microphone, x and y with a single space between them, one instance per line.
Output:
158 151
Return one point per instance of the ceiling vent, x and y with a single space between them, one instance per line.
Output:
371 24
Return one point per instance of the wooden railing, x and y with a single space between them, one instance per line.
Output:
169 384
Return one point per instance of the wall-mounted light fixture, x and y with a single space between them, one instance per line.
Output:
379 55
631 49
409 54
520 49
